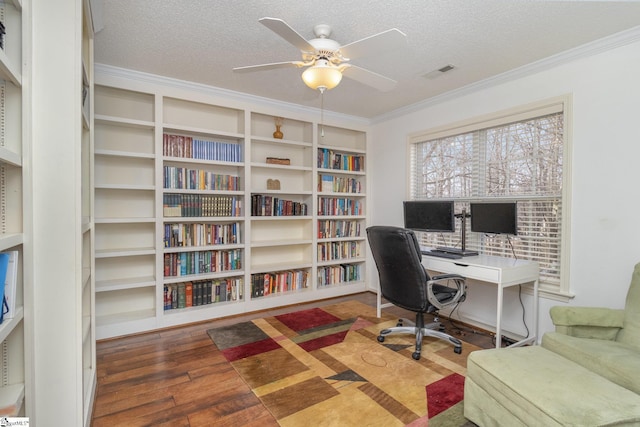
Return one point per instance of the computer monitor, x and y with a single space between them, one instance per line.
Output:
494 218
425 215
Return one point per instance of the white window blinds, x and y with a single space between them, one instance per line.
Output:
510 158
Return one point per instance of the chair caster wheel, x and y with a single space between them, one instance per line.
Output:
416 356
380 338
457 350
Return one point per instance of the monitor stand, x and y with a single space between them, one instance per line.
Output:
457 251
463 236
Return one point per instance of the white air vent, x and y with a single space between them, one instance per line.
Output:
440 71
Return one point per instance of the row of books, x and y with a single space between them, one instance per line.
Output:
277 282
8 284
329 159
205 234
332 228
196 205
336 274
339 206
329 251
202 292
262 205
200 262
198 179
192 148
338 184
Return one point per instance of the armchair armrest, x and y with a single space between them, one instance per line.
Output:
442 282
588 322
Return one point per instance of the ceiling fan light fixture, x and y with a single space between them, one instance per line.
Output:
322 76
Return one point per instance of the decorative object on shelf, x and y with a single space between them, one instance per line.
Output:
278 161
278 133
273 184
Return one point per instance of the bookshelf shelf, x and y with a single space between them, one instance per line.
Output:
127 283
125 316
122 121
11 399
158 148
355 260
179 249
10 158
9 325
115 153
8 71
10 240
203 276
281 266
204 132
110 253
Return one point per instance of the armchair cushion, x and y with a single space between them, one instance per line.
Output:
630 334
588 322
617 362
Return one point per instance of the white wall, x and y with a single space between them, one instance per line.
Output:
605 176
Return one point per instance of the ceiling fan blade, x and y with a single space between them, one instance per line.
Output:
271 66
283 29
369 78
386 40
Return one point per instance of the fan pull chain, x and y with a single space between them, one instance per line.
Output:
322 112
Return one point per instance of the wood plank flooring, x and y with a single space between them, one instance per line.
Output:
177 377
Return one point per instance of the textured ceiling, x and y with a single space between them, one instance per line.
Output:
202 40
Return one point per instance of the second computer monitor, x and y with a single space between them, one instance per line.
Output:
494 218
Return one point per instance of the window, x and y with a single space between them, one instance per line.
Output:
514 157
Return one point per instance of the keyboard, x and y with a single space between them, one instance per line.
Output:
441 254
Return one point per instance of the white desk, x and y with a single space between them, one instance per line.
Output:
504 272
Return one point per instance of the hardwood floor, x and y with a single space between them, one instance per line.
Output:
178 377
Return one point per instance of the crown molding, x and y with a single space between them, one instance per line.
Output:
596 47
241 97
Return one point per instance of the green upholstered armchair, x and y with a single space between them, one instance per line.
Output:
604 340
604 323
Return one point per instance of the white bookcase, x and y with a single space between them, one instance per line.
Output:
124 210
172 168
12 330
341 246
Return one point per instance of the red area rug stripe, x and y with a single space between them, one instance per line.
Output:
444 393
251 349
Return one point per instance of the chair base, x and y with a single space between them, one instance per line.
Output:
420 330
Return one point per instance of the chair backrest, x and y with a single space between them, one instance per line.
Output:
630 333
398 258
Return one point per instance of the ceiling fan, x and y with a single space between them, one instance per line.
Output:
326 60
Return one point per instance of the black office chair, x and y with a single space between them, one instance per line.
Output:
405 283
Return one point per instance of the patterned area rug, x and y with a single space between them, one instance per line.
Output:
325 367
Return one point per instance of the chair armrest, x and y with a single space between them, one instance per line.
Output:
443 277
588 322
444 280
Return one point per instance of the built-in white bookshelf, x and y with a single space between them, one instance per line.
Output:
172 168
341 246
12 199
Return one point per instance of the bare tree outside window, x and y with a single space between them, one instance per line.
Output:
515 162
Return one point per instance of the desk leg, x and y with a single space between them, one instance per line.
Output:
499 315
535 312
